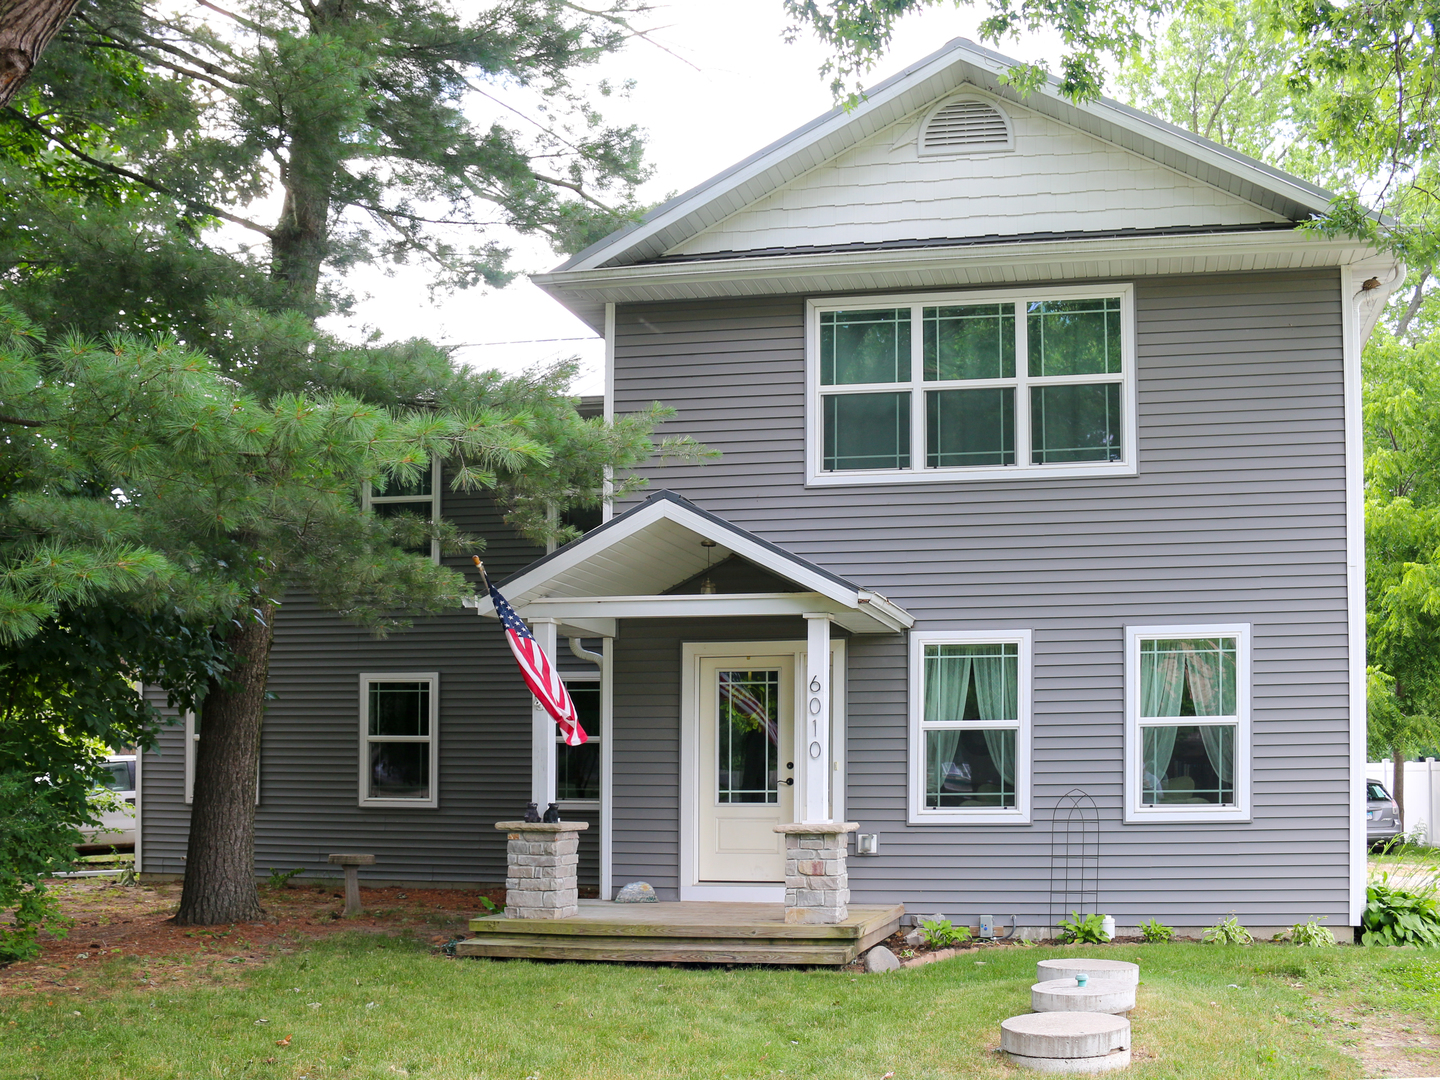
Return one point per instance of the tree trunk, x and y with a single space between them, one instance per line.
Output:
26 27
1398 758
220 859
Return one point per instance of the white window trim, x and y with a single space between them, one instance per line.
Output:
1135 813
816 476
433 678
598 738
367 500
982 150
192 745
919 813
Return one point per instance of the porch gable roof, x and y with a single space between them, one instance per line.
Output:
623 568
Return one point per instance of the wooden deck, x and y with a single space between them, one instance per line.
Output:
688 932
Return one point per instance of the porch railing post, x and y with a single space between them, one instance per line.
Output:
542 725
816 719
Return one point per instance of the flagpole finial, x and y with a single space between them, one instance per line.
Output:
480 566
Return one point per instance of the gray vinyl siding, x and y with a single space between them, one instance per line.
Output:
310 744
1237 515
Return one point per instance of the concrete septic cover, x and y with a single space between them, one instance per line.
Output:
1067 1042
1119 970
1098 996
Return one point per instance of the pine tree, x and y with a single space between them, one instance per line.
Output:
237 433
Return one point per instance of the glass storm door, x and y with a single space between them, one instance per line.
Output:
747 767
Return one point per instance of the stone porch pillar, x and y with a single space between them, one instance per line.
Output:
817 885
541 864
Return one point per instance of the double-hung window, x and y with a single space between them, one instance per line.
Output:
399 744
1031 383
577 768
970 727
1187 743
416 498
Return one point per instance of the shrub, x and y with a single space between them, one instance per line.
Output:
1083 929
1156 932
1227 931
280 879
1395 916
940 933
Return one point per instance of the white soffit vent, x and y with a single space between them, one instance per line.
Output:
966 126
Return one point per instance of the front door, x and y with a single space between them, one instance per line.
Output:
746 766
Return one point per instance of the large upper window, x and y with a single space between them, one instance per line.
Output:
970 727
399 714
968 385
1188 735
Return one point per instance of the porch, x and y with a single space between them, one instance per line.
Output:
687 932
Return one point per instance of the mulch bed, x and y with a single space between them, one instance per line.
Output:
112 921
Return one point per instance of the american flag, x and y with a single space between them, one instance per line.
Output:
542 679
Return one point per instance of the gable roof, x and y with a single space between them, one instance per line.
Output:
912 90
682 251
627 564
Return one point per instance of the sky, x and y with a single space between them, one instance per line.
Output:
714 83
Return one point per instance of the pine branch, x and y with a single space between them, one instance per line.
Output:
557 182
113 40
20 422
231 15
177 68
143 181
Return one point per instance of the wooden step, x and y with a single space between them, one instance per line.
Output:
656 950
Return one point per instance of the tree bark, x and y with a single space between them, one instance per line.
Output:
220 858
1398 758
26 27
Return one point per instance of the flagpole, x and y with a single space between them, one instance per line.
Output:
484 580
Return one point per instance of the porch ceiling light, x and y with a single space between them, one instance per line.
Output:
707 586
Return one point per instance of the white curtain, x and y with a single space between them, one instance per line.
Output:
1211 671
995 693
947 685
1162 686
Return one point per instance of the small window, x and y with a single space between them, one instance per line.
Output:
965 126
417 498
970 727
577 768
1188 744
1024 385
399 715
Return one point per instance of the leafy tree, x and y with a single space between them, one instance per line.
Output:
26 27
1402 546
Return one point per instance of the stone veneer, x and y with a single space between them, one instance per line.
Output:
817 885
541 865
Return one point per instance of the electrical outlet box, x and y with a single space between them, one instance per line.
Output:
867 843
987 926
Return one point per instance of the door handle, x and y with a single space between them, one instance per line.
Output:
788 781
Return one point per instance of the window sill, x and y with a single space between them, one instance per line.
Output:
965 474
1176 815
969 817
399 804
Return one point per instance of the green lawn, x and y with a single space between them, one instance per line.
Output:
368 1007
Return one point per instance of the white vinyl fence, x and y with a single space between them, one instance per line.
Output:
1422 792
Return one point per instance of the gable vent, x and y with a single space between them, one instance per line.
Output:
965 125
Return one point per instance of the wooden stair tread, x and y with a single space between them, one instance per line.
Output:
861 924
655 949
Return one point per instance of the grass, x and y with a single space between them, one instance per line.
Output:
369 1008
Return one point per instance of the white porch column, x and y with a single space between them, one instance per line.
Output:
542 726
816 719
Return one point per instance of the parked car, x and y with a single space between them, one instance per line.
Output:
117 825
1382 814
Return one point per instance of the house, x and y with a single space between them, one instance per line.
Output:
1034 546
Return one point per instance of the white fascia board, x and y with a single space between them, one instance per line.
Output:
585 292
874 615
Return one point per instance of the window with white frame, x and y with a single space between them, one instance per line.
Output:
577 768
1018 383
418 498
1188 730
399 744
970 727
